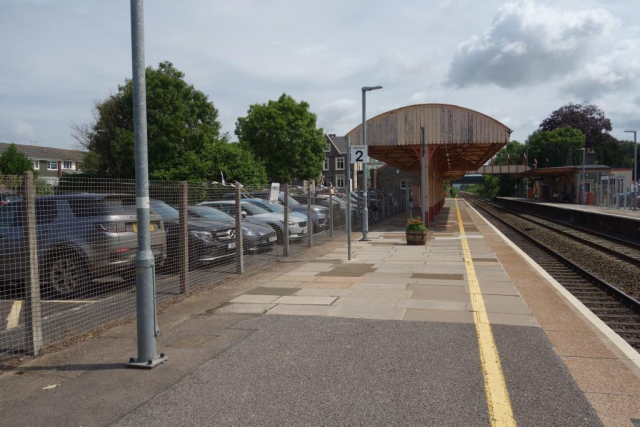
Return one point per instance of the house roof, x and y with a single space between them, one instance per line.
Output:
340 142
38 152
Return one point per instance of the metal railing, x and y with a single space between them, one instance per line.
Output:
67 251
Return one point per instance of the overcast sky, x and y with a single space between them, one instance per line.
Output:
514 60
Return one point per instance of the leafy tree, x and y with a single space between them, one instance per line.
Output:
514 150
555 145
13 162
230 159
184 140
489 188
590 119
284 135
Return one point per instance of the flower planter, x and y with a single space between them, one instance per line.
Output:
416 237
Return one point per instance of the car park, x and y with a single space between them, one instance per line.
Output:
255 237
81 237
297 226
209 241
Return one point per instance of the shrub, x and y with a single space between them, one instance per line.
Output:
415 224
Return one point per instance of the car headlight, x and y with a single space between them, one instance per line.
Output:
291 223
203 235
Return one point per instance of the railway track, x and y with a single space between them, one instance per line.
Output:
622 249
613 306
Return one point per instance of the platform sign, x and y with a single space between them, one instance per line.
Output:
359 154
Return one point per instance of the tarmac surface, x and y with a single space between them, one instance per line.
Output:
303 370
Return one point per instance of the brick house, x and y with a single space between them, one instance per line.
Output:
50 163
334 165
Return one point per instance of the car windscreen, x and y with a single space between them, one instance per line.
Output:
292 201
211 213
273 207
164 210
253 209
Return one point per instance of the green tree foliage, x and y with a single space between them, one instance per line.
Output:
590 119
183 128
236 163
489 188
555 145
284 135
13 162
513 150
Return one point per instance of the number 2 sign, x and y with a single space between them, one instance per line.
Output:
359 154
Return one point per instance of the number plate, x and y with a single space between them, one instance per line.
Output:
135 227
273 238
231 245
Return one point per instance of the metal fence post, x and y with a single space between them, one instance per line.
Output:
183 251
309 220
239 248
285 234
147 325
331 212
33 313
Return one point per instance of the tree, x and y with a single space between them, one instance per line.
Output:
182 126
590 119
13 162
513 150
284 135
236 163
555 145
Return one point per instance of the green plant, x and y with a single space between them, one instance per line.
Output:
415 224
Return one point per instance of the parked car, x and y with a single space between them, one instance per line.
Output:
319 214
297 226
209 241
81 237
320 223
255 237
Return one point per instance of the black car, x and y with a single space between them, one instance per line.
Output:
255 237
81 237
209 241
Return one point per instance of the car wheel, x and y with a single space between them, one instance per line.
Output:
66 275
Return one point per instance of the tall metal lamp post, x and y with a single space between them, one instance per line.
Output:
582 183
365 205
635 169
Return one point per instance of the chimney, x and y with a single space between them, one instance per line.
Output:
591 157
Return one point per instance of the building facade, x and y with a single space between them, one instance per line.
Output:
50 163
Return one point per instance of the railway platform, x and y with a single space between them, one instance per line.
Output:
623 223
624 213
466 330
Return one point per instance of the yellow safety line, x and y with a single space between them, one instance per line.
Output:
498 402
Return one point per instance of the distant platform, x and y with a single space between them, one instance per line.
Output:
625 213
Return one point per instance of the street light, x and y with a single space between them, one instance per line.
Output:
635 164
365 209
582 184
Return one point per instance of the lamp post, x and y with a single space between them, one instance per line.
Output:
582 186
365 205
635 168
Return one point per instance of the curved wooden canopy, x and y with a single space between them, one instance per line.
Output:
460 138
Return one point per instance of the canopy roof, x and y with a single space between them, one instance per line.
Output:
460 138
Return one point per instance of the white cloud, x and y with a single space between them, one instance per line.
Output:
617 70
528 43
17 130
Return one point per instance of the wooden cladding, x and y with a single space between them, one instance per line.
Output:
443 123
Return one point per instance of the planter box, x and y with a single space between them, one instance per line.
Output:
416 237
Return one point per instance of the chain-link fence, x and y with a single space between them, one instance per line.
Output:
67 252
